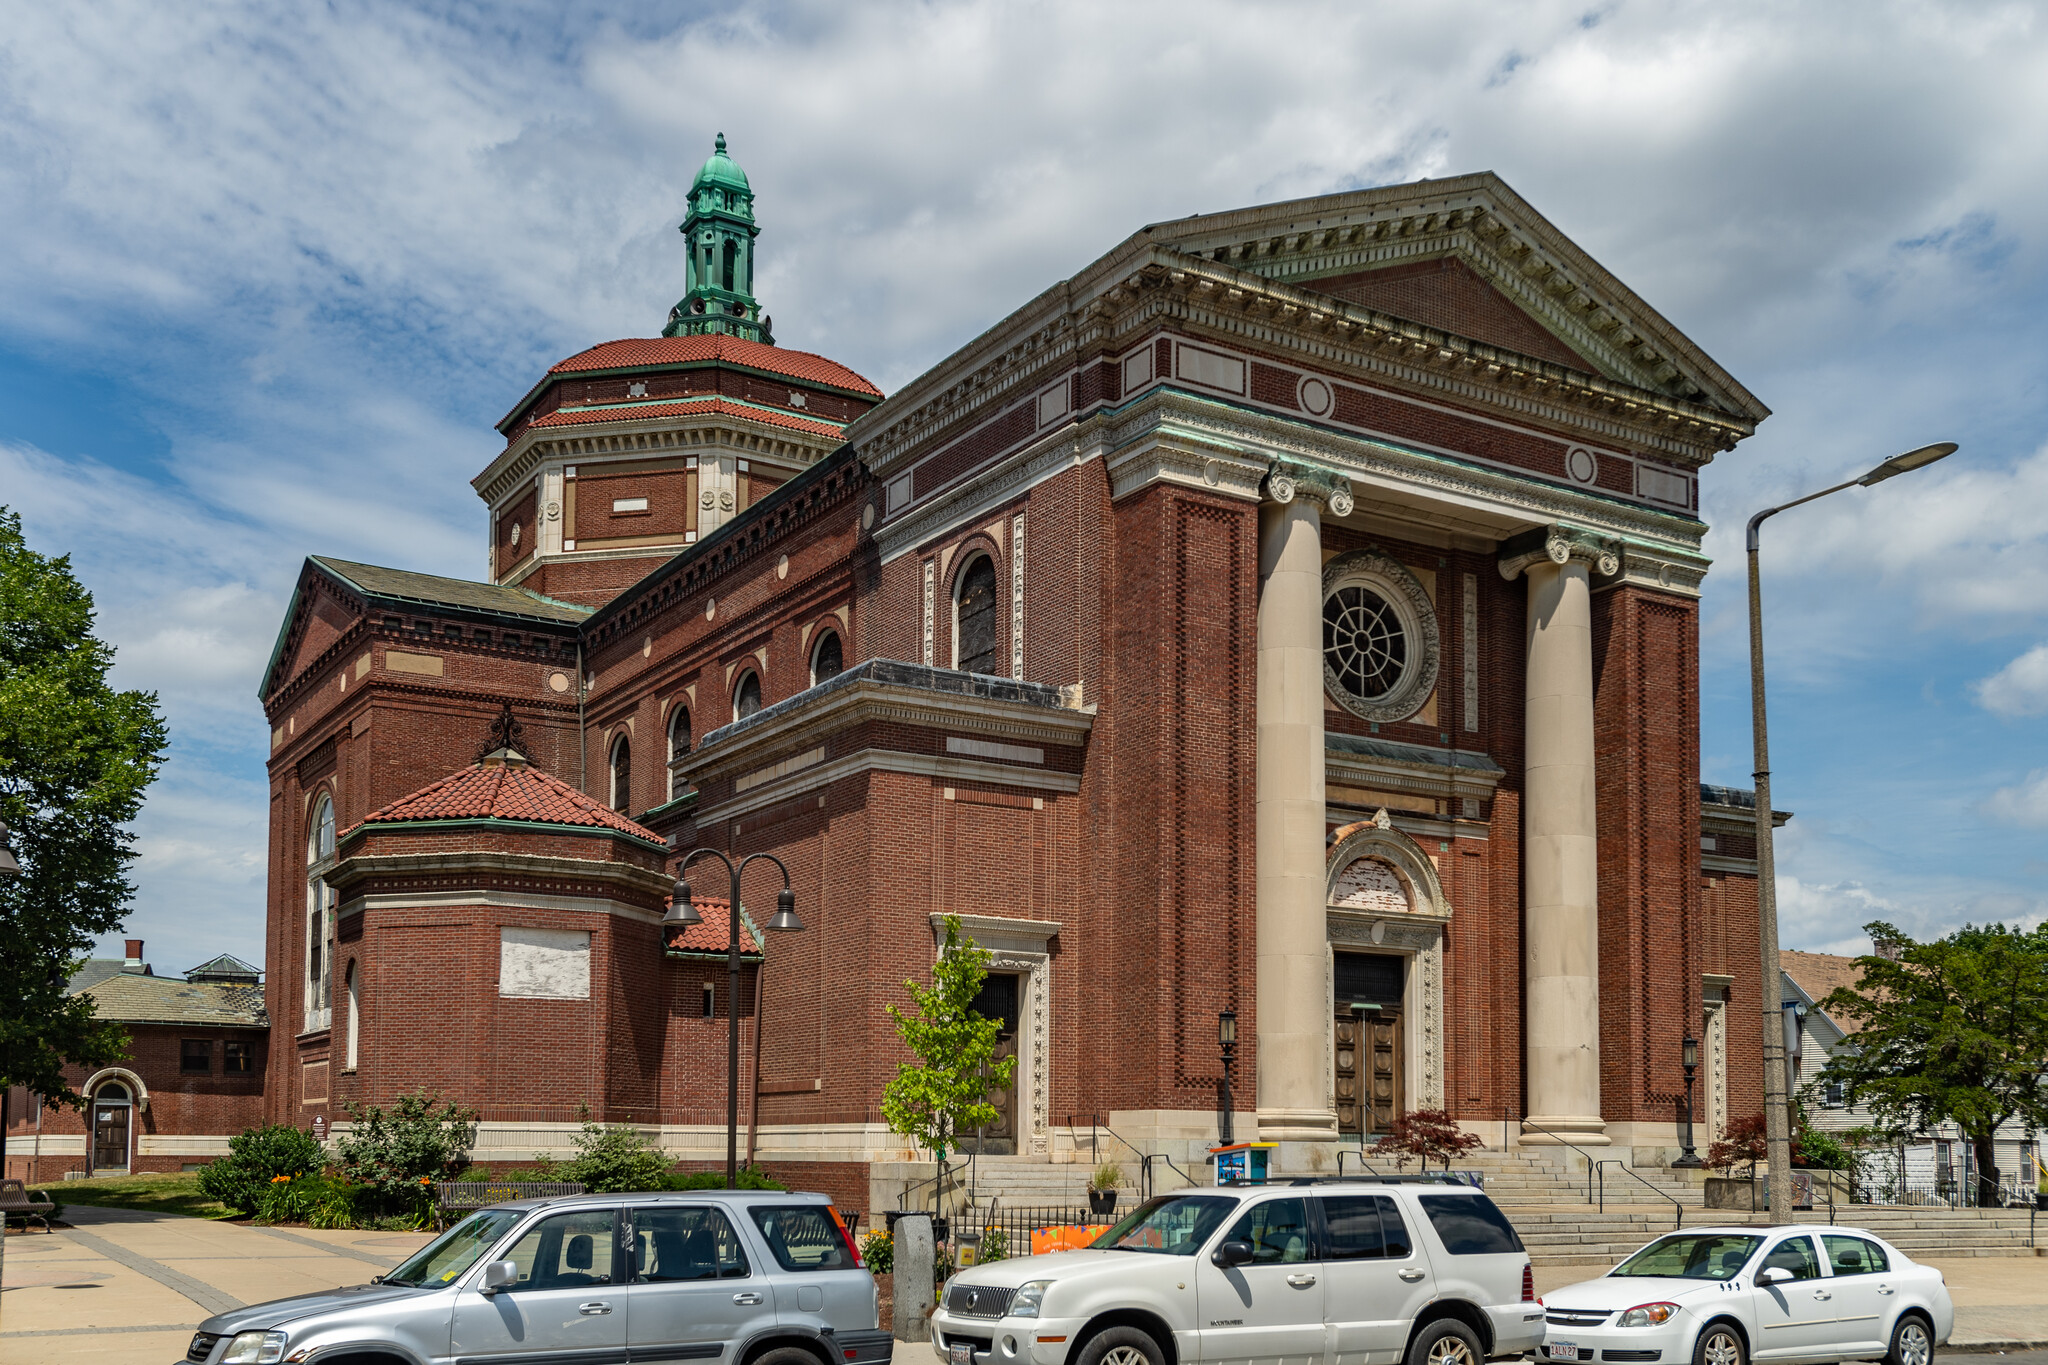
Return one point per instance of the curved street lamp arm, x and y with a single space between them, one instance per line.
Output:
1757 521
695 854
770 857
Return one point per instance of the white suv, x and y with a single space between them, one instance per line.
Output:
1389 1271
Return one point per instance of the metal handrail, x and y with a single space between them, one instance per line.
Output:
1679 1222
1343 1152
1145 1159
1562 1140
945 1169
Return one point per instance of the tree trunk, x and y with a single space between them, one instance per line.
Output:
1986 1147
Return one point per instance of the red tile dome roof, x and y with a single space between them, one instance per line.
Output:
634 352
500 788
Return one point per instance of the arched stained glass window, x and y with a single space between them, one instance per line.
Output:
974 640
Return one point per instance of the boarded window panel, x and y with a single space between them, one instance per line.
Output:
544 964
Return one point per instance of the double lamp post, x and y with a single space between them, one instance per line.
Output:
682 914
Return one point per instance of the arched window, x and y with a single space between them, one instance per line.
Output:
746 698
827 661
319 915
974 618
678 745
355 1015
622 774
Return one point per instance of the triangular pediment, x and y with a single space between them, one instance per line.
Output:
1466 256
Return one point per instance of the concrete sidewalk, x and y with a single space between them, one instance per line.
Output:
118 1286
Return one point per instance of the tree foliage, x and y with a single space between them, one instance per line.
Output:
945 1090
1951 1031
1427 1135
75 758
394 1153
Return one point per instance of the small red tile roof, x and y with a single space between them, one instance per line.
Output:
712 936
676 407
497 790
638 351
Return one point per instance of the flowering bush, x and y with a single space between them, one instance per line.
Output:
396 1154
878 1252
256 1156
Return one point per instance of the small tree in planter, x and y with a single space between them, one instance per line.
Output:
945 1090
1426 1135
1102 1187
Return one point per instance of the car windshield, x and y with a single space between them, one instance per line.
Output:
455 1250
1692 1256
1171 1225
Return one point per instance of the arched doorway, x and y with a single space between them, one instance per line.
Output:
113 1121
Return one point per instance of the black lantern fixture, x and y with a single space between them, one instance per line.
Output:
682 914
1689 1057
1226 1038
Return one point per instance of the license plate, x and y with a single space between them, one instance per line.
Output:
960 1353
1559 1350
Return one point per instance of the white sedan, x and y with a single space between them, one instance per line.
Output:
1730 1295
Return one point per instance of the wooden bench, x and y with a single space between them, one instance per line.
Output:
15 1198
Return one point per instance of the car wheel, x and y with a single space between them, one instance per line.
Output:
785 1355
1912 1342
1720 1344
1121 1346
1446 1342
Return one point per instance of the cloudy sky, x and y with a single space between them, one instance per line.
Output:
270 273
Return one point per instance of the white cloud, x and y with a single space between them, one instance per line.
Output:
325 246
2018 689
2024 803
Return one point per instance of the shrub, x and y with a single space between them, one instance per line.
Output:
995 1246
1427 1134
878 1252
395 1155
749 1179
610 1160
1743 1144
304 1198
242 1178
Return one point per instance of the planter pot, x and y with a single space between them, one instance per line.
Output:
1724 1193
1102 1201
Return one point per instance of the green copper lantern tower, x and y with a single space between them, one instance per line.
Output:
720 229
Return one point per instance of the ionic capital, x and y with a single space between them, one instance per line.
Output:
1287 480
1559 545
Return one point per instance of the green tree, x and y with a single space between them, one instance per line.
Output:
396 1154
1955 1030
945 1090
75 758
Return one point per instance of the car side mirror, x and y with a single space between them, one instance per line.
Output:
1775 1274
500 1275
1232 1253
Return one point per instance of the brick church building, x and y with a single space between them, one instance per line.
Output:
1294 613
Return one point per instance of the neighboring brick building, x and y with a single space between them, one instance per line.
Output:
193 1076
1294 612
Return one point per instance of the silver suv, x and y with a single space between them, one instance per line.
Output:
746 1277
1368 1272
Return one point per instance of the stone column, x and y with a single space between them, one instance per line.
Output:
1293 993
1560 842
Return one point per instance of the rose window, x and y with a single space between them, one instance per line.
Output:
1365 644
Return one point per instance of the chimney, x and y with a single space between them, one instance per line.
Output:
134 962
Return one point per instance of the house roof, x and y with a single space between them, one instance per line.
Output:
504 786
227 969
137 998
1818 974
714 934
708 403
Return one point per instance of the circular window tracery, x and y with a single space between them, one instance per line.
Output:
1379 637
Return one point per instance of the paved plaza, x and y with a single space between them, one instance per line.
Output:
118 1286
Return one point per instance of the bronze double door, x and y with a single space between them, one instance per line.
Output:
1366 1034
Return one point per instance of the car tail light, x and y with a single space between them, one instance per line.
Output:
846 1236
1529 1283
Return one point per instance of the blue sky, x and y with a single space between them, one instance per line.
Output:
272 271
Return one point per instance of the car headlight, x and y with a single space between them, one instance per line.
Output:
1030 1295
1647 1315
254 1348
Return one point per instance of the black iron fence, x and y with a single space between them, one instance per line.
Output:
1007 1228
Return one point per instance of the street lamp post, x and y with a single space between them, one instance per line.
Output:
1226 1037
1777 1109
681 915
1689 1054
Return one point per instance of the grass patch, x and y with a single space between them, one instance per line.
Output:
177 1193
